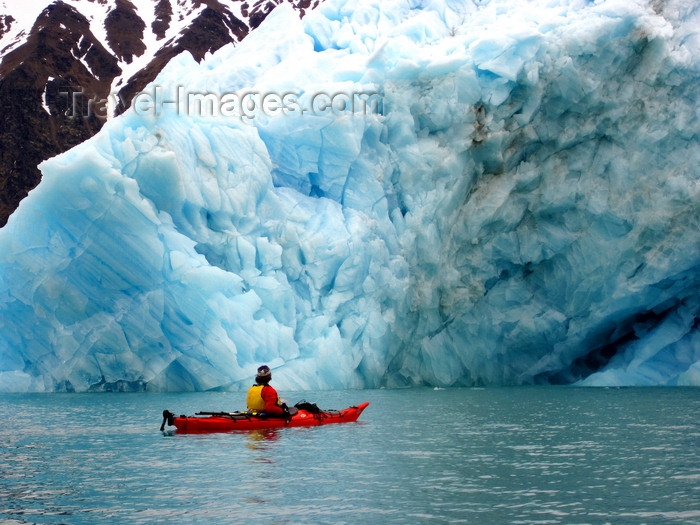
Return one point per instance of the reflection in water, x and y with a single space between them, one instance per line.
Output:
261 439
263 483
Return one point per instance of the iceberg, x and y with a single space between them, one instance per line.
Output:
382 194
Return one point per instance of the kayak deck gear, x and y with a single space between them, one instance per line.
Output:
303 415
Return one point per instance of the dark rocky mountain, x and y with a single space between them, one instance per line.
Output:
67 65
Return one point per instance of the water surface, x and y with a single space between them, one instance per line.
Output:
495 455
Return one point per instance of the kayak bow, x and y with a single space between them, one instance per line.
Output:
206 422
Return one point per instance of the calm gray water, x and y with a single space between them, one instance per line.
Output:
495 455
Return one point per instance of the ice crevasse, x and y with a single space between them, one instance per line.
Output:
517 202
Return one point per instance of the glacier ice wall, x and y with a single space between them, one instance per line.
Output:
520 206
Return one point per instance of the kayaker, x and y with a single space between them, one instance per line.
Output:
263 398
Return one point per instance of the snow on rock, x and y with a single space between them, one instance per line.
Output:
431 193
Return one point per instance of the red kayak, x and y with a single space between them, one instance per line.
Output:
205 422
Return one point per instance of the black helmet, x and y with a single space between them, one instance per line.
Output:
264 373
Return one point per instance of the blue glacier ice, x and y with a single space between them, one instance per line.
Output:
383 193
